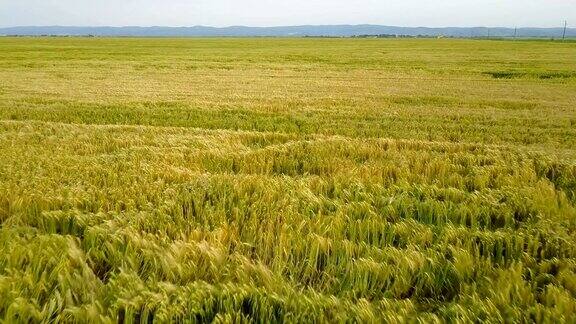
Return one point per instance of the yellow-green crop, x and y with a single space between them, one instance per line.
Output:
287 180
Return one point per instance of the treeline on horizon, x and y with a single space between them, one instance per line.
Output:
291 31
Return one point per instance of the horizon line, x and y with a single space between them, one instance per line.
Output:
275 26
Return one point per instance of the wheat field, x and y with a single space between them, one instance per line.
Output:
287 180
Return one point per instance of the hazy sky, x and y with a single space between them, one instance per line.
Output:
434 13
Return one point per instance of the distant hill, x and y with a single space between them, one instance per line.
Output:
295 31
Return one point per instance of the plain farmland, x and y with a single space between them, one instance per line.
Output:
305 180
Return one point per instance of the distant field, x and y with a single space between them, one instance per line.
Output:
295 180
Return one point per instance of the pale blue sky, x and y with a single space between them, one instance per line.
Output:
433 13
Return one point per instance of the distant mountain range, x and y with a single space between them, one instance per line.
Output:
294 31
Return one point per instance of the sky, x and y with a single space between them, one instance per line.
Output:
220 13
